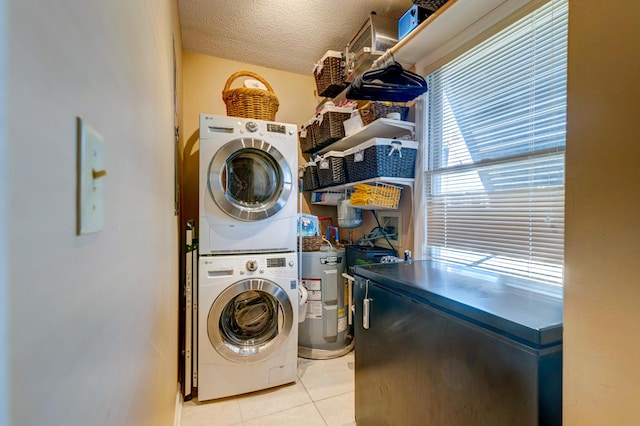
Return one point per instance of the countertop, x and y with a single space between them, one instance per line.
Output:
500 303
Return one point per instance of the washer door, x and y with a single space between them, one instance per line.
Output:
250 320
249 179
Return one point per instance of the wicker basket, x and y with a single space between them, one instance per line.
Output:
248 102
312 243
330 128
329 75
331 170
310 177
380 157
373 110
431 5
307 138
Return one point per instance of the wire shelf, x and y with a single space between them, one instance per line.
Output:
377 196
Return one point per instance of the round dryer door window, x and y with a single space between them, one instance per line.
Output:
249 179
250 320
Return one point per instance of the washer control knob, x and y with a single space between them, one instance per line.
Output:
261 271
252 265
252 126
291 263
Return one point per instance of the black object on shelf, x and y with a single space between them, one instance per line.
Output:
390 83
411 19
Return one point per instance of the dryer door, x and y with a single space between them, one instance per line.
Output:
249 179
250 320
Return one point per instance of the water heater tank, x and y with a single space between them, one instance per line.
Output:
325 332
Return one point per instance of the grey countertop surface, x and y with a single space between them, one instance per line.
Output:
503 304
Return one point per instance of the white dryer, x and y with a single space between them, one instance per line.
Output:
248 185
247 323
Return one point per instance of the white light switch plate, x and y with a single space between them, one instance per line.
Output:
91 176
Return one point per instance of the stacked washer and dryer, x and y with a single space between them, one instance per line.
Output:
247 337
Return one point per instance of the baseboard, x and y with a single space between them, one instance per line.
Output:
177 417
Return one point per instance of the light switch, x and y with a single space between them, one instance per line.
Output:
91 177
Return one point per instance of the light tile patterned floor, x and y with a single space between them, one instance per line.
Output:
323 396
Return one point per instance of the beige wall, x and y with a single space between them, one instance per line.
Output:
93 319
602 258
204 78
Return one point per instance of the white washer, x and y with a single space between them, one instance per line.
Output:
248 185
247 323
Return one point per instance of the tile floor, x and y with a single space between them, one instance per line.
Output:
323 395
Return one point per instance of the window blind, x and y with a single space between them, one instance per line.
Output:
496 141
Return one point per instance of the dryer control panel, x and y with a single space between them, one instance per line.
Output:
251 265
276 128
281 265
276 262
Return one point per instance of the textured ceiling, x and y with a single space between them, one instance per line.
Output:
289 35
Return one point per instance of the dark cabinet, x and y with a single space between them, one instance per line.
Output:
425 361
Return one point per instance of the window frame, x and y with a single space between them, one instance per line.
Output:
424 110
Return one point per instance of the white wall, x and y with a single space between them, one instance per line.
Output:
602 254
93 319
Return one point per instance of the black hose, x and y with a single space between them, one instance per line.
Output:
384 233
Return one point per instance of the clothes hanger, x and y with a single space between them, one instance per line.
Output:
388 83
393 73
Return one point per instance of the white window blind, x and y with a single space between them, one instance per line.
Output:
496 142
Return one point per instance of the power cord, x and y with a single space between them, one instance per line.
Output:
382 230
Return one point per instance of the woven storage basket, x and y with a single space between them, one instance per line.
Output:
316 131
248 102
310 177
329 75
330 128
306 139
431 5
312 243
380 157
373 110
331 170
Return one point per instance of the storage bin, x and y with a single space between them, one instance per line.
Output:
431 5
329 128
373 110
306 136
329 74
380 157
331 170
310 177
